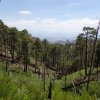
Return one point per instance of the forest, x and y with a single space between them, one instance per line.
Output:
35 69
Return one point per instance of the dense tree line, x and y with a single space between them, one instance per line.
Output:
20 44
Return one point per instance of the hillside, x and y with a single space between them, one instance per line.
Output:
24 86
34 69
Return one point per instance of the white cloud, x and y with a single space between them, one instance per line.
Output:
25 12
54 27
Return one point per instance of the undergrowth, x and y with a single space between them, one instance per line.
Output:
18 85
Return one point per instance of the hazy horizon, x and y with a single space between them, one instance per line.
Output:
53 19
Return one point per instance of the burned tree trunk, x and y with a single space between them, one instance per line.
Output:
50 91
86 53
36 56
44 79
25 54
7 62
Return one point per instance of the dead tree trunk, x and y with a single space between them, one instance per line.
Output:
86 53
6 53
25 54
50 91
93 54
44 79
75 84
36 55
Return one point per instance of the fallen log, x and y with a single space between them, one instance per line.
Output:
80 80
65 88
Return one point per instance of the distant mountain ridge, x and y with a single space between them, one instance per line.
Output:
63 42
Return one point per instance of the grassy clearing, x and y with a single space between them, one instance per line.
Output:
27 86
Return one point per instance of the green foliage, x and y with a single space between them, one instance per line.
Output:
27 86
20 86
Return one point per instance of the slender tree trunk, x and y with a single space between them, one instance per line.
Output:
81 60
53 62
86 53
6 62
93 55
50 91
1 44
65 80
25 54
44 79
45 63
36 55
97 71
24 63
12 46
6 53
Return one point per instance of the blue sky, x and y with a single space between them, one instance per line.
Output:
51 19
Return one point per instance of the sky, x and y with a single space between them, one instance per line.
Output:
51 19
